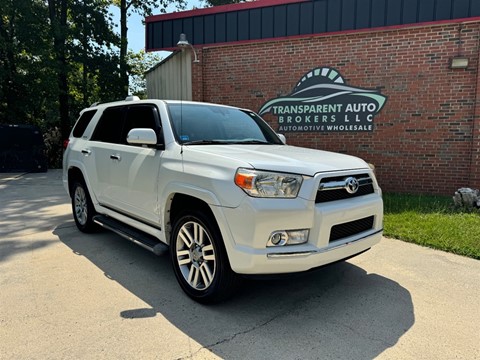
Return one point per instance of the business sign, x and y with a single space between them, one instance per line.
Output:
323 102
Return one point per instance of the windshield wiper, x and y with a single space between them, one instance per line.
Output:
205 142
252 141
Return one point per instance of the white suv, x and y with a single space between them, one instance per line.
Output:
219 189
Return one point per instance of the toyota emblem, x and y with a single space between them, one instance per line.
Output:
351 185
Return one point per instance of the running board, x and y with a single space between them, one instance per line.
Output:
138 237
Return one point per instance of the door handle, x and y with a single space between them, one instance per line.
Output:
86 152
115 157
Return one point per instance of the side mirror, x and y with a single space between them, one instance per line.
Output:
282 138
142 137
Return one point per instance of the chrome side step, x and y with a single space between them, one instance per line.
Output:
138 237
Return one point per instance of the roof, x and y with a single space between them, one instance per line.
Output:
264 20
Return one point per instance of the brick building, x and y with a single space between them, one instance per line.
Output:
422 56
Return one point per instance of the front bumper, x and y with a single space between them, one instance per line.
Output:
250 225
291 262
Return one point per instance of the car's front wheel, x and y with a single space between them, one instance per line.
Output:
82 207
199 258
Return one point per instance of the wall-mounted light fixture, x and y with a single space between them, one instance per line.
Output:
183 44
459 62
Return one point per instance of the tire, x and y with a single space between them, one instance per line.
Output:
82 208
200 260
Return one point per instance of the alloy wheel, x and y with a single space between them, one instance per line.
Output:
195 255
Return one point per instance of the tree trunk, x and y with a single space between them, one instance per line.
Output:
84 57
58 19
123 47
10 83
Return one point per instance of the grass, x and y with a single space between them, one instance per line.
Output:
432 221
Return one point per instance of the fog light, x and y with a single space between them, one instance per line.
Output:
288 237
277 238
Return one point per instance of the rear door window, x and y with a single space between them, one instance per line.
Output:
110 125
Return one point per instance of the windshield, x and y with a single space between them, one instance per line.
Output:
196 124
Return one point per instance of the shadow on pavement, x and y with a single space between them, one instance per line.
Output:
335 312
30 203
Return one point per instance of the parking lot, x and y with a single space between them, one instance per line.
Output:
69 295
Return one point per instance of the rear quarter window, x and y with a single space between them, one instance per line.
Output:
83 122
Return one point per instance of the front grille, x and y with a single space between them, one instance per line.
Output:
326 195
351 228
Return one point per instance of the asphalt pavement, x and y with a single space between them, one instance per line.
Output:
69 295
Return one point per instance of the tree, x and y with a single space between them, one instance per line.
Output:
139 64
25 65
56 57
92 40
57 10
144 8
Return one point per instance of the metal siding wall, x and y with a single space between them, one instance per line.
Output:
378 13
172 80
444 9
316 16
306 18
475 11
176 29
334 20
232 27
348 14
220 28
188 28
255 19
209 29
280 21
410 11
426 10
475 8
167 33
363 14
461 8
267 23
199 30
320 17
243 25
394 12
293 20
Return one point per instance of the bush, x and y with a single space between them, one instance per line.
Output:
53 147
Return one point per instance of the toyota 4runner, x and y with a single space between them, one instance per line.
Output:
219 189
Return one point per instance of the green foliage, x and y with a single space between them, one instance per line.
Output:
434 222
139 63
144 8
51 138
59 56
27 85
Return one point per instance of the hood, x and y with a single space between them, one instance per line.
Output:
281 158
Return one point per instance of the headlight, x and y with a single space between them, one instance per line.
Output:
268 184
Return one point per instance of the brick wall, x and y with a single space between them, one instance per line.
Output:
426 138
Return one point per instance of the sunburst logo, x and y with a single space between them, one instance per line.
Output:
322 101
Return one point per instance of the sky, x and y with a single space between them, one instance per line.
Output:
136 30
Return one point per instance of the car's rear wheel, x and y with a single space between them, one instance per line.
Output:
82 207
199 258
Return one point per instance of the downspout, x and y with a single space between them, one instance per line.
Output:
474 178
